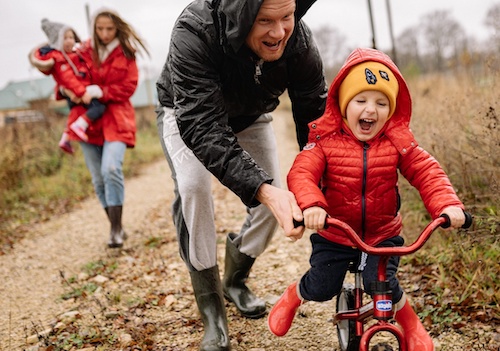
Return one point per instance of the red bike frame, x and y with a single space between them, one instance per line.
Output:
381 306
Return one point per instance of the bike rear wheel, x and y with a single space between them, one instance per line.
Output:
346 329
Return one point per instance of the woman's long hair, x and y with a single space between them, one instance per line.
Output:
129 39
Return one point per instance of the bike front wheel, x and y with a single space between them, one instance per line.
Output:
346 329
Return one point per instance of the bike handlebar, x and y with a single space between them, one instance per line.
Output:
442 221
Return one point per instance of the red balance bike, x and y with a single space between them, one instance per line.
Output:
352 314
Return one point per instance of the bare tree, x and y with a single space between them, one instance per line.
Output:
408 51
332 47
492 21
442 34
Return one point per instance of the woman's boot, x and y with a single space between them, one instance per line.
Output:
283 312
210 301
417 338
237 267
117 235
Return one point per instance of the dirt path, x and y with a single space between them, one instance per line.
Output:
149 289
30 275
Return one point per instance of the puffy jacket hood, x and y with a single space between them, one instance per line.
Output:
397 128
237 18
93 18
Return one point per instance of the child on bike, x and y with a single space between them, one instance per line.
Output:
349 170
59 59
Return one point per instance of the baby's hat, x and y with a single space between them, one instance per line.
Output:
55 33
369 75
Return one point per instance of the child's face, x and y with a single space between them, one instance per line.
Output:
69 41
367 113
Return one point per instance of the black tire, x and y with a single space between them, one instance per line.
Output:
382 347
346 329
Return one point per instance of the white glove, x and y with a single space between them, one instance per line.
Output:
94 90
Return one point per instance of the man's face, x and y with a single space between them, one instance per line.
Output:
272 28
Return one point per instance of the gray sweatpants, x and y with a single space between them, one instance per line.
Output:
193 210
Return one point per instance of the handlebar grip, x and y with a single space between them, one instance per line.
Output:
297 224
468 220
467 224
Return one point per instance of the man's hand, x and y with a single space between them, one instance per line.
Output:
284 207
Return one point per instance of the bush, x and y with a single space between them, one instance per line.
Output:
38 180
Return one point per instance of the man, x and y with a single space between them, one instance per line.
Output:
228 63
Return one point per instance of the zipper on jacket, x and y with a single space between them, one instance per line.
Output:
366 146
258 71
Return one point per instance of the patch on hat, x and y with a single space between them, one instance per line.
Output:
384 75
370 77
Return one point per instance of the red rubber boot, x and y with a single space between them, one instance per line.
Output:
417 338
79 127
283 312
65 144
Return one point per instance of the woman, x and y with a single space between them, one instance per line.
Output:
110 54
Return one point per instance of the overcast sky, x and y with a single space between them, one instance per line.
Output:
20 24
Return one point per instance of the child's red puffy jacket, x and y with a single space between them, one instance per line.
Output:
69 70
357 181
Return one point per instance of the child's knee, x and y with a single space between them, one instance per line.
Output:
318 292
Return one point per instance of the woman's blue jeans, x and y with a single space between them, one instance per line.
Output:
105 164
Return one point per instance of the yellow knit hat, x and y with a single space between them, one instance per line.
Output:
368 75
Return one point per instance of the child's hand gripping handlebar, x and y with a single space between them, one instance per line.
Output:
442 221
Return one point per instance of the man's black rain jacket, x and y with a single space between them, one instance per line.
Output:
218 86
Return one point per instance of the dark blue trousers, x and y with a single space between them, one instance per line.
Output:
95 108
330 263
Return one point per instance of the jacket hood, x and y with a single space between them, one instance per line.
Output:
237 18
93 18
398 123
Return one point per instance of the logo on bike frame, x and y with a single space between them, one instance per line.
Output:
384 305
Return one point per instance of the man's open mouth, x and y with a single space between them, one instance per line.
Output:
272 45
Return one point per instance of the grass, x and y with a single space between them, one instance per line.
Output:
455 118
99 267
39 181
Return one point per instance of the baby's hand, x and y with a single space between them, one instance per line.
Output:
314 217
86 98
457 216
70 95
76 100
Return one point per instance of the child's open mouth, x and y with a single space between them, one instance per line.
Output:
366 124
